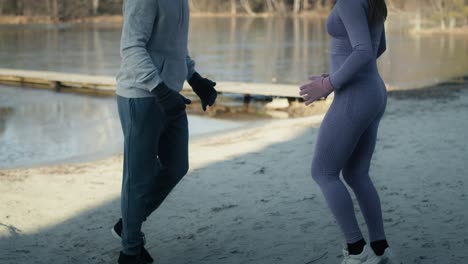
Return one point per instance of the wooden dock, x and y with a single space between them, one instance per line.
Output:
105 85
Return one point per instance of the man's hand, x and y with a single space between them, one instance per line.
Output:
172 102
204 88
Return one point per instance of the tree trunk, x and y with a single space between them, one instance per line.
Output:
54 10
452 22
329 4
193 6
318 5
95 7
270 7
297 6
417 22
246 5
442 24
19 7
233 7
305 4
48 11
280 6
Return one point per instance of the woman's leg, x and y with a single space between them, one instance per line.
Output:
337 139
356 175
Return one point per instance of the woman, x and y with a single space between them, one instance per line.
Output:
347 136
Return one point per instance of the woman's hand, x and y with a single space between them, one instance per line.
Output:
319 87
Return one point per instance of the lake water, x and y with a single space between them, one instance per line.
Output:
43 127
282 50
39 127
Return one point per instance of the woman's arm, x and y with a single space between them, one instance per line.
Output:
353 13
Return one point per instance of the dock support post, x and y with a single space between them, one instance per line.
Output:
57 86
247 99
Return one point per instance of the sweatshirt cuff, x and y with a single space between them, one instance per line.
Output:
190 73
151 82
333 83
154 84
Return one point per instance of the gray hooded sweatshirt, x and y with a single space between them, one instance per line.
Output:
154 47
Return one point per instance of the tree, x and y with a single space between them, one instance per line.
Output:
270 7
246 5
95 7
54 9
297 6
305 4
19 7
233 7
448 11
192 5
280 6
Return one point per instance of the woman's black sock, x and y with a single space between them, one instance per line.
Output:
357 247
379 247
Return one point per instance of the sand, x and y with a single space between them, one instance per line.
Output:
249 196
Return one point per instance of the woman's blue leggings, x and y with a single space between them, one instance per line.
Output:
345 143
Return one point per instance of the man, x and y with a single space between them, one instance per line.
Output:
155 64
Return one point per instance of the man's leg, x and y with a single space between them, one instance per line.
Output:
142 123
173 157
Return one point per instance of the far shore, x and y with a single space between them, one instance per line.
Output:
117 20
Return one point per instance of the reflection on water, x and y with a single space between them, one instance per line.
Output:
48 127
5 113
38 127
283 50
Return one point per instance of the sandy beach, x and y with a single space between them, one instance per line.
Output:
249 196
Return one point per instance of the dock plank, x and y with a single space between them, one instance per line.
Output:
107 83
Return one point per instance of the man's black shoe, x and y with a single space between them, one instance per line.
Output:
117 230
117 233
127 259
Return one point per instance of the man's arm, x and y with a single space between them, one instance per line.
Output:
139 18
204 88
190 67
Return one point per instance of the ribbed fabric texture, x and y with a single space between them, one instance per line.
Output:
347 136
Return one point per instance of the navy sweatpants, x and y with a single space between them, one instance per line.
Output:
155 160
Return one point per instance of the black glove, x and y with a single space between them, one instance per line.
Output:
204 88
172 102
